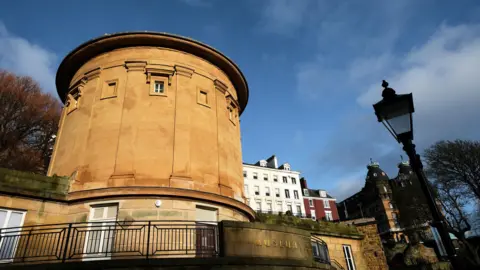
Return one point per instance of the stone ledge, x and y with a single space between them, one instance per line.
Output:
179 263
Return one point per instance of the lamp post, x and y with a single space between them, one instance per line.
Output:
395 112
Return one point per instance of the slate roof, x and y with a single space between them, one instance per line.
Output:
315 193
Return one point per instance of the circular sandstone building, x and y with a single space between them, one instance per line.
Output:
151 121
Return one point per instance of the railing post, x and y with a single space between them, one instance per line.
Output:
148 239
66 243
26 245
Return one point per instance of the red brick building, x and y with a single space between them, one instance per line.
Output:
318 203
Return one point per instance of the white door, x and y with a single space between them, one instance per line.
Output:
100 236
9 237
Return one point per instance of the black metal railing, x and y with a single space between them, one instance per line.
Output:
108 239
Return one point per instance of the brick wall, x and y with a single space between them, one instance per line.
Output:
319 209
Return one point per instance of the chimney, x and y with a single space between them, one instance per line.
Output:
303 183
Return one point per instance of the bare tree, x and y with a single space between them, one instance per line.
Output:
28 121
458 162
454 168
458 218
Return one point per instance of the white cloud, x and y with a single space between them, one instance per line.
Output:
443 76
22 57
284 16
348 186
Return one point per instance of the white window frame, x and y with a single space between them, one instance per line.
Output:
347 252
159 91
12 233
104 222
285 179
275 178
256 190
277 192
290 208
326 204
328 215
267 191
255 176
265 177
294 180
295 194
299 209
258 205
287 194
305 192
310 203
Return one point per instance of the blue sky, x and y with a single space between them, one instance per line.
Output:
314 68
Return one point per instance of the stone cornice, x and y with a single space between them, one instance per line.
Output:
135 66
162 70
132 191
92 74
220 86
184 71
108 43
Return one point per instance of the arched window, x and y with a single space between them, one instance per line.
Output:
320 251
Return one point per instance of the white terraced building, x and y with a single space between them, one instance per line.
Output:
272 188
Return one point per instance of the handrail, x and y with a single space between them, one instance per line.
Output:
107 239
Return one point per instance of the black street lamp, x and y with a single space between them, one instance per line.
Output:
395 112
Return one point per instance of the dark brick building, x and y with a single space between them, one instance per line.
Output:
397 204
318 203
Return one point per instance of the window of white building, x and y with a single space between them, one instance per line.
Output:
294 180
259 206
285 180
287 193
279 207
267 191
257 190
289 207
244 174
265 177
299 209
326 204
275 178
255 175
269 207
277 192
295 194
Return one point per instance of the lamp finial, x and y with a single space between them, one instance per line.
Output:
388 93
